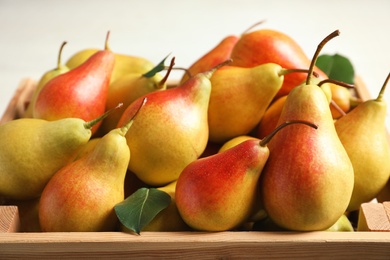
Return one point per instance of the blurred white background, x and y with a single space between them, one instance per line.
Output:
32 31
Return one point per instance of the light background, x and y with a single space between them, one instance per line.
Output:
32 31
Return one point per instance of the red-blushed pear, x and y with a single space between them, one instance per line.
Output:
307 181
270 118
363 134
264 46
220 192
81 196
170 131
240 96
80 92
212 58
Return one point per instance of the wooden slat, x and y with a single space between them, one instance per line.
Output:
9 219
196 245
373 217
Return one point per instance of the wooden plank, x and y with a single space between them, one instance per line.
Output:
198 245
9 219
373 217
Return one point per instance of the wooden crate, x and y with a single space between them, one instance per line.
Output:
370 244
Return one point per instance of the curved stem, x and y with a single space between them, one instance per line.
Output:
319 48
268 138
337 82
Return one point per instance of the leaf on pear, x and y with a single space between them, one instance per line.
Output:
158 68
137 210
337 67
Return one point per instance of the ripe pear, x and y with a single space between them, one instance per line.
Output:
275 47
34 149
240 97
363 134
127 89
81 196
171 130
342 97
220 192
213 57
80 92
308 179
124 64
46 77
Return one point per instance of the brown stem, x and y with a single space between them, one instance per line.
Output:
162 82
316 54
337 82
90 124
268 138
337 107
382 91
187 72
253 26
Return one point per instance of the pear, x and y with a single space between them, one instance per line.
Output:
343 224
240 97
363 134
171 130
270 118
124 64
235 141
130 87
220 192
47 76
80 92
272 46
308 179
34 149
213 57
81 196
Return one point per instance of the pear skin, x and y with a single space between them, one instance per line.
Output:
235 141
275 47
213 57
33 150
170 131
239 99
124 64
363 133
80 92
270 118
308 170
218 193
81 196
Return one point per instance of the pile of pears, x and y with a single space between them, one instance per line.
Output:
253 136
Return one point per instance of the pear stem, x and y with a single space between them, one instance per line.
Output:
127 126
337 82
106 44
268 138
187 72
316 54
90 124
253 26
162 82
210 72
283 72
382 91
59 63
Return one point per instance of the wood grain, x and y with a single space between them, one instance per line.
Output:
9 219
198 245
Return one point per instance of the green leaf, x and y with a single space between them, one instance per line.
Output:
337 67
137 210
159 67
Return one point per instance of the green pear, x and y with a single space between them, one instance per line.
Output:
81 196
239 98
81 92
342 224
171 130
220 192
32 150
308 179
363 134
46 77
